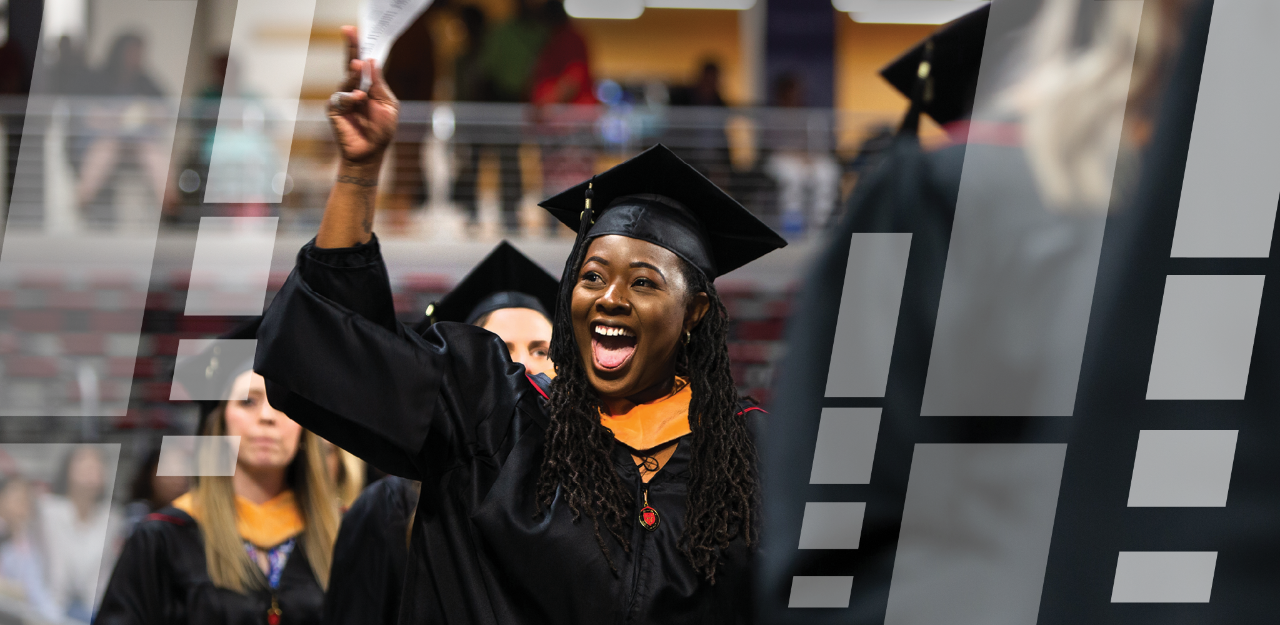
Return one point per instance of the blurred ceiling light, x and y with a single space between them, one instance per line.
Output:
604 9
906 11
733 5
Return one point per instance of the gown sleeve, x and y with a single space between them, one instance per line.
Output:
370 555
139 590
338 362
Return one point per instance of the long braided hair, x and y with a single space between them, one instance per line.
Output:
723 484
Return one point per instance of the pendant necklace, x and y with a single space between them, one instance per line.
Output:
273 614
649 518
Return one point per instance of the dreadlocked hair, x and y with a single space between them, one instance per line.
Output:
577 463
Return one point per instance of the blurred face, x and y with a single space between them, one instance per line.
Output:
631 308
268 439
15 504
85 474
166 488
527 334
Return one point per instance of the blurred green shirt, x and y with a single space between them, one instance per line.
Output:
509 54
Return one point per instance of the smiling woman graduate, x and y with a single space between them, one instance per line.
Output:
623 491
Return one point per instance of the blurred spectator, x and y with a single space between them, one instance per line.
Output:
13 82
562 75
705 91
71 73
410 72
238 122
807 174
510 51
562 72
79 535
120 123
22 559
507 57
705 146
151 492
469 84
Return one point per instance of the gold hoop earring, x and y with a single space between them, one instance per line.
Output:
688 336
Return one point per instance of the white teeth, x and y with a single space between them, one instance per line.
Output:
612 331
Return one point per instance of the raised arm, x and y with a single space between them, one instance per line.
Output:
363 125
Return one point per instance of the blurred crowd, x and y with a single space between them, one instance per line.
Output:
503 113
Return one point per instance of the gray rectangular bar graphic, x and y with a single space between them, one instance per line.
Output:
832 524
820 591
1204 343
846 447
868 319
975 534
1182 468
1231 186
1164 576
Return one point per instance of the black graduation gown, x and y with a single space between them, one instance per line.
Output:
162 578
451 410
370 554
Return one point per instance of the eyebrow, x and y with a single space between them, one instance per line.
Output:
634 264
638 263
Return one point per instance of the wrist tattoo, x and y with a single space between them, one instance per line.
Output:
357 180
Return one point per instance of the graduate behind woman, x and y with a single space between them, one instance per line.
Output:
506 294
623 491
254 547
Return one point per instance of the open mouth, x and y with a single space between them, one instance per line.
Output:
612 346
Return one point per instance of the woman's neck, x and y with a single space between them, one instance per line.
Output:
618 405
258 485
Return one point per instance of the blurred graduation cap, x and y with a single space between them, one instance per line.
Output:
207 377
506 278
953 73
657 197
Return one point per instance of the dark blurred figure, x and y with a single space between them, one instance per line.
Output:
562 75
150 492
14 81
701 140
705 91
411 73
469 84
120 125
807 174
507 55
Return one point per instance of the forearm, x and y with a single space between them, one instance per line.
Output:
348 215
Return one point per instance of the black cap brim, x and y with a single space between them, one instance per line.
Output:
506 278
701 223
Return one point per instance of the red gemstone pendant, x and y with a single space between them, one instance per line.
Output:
649 518
273 614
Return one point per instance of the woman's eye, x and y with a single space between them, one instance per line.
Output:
541 353
645 282
591 276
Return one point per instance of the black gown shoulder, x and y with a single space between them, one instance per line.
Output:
451 410
161 578
370 555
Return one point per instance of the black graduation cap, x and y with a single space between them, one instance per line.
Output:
957 52
657 197
207 377
504 279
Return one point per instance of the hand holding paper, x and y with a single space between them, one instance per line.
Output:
363 121
381 23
